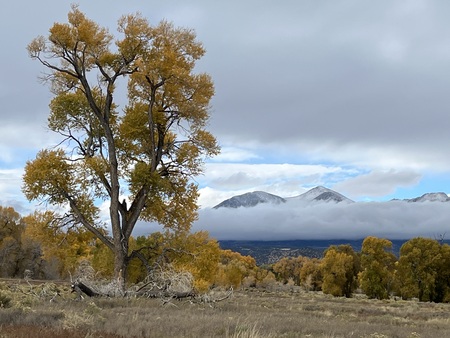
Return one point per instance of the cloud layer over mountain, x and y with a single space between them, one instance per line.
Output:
393 220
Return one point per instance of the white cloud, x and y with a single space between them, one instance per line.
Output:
224 174
24 137
377 183
235 154
10 190
381 156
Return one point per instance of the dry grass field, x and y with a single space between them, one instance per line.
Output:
50 310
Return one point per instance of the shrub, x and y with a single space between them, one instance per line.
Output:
5 300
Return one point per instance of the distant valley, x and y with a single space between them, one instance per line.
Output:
269 252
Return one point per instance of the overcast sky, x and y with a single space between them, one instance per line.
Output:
351 95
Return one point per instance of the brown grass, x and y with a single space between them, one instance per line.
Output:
247 314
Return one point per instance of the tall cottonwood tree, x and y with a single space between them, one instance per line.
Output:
139 159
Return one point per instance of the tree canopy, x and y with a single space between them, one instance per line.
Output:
340 267
139 158
423 270
377 264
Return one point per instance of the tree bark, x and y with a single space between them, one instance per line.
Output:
120 261
80 288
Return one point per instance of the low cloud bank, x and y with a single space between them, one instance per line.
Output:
393 220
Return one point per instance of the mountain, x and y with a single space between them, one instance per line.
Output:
321 194
431 197
250 199
317 194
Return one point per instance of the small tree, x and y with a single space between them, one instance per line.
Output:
196 253
11 229
234 268
377 264
288 268
64 246
18 252
311 275
139 160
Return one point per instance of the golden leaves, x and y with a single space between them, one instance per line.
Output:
49 175
61 38
81 34
53 177
198 254
65 246
233 268
340 267
422 270
137 33
377 265
36 46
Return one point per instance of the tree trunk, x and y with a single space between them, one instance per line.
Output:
121 263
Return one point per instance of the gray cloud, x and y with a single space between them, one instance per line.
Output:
353 70
342 73
393 220
237 180
319 76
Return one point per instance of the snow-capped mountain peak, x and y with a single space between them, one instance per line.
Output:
315 195
431 197
321 194
250 199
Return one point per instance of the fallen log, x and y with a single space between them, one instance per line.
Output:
80 288
166 294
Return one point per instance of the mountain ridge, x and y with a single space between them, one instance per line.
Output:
430 197
317 194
